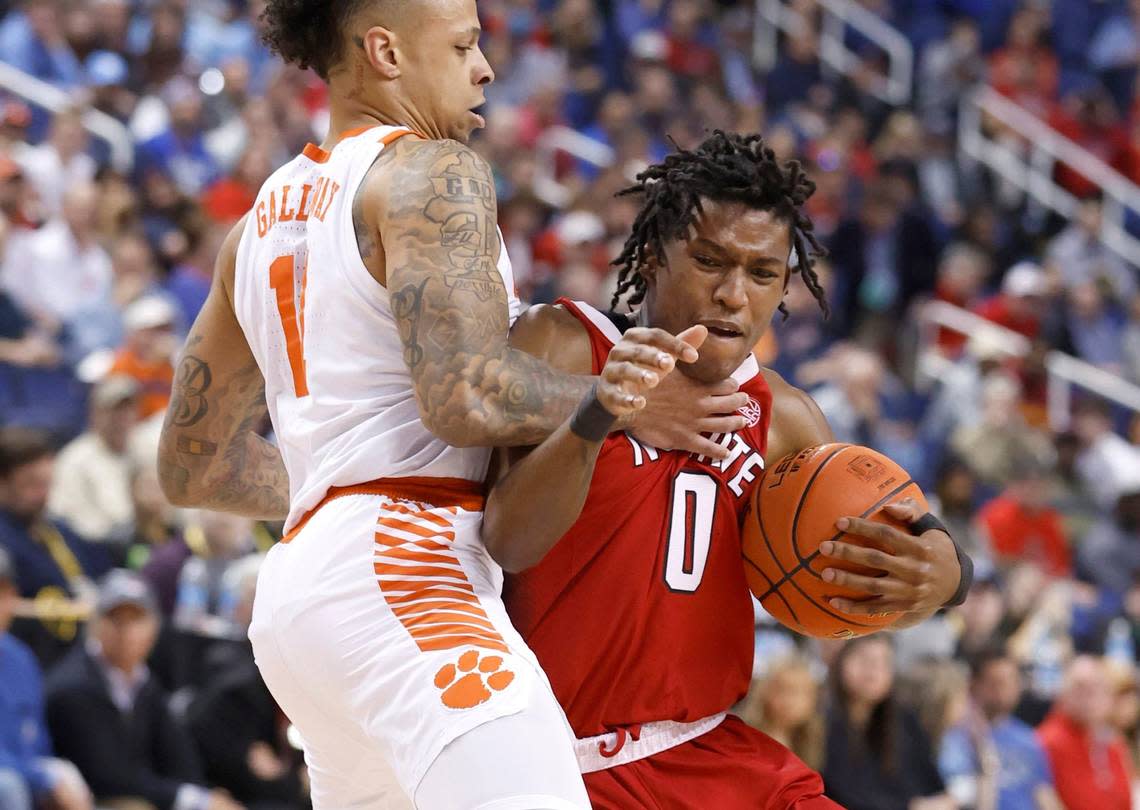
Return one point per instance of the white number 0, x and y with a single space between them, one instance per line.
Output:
690 530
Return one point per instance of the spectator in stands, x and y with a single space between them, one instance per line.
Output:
203 598
1131 341
98 327
29 775
180 150
159 544
32 40
91 489
935 689
236 723
53 564
1110 550
1078 256
1025 69
1094 327
1125 715
1106 459
62 265
952 499
148 351
992 760
1000 434
1021 526
785 705
60 162
1090 764
981 615
877 756
109 717
948 68
1019 305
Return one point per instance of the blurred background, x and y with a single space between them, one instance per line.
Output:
977 165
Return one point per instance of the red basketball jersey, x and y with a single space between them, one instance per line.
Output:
641 611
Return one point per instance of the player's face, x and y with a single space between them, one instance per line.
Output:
730 275
998 688
445 71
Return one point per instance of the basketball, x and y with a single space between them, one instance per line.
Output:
794 509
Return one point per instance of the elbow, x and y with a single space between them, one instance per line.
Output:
457 425
175 483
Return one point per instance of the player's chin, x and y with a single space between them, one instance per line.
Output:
715 363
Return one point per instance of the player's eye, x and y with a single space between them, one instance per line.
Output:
463 48
706 261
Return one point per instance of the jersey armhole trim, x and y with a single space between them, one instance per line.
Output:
600 321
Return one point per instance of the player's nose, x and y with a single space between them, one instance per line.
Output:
730 291
484 73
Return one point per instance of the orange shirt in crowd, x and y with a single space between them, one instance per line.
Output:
1088 775
155 379
1017 534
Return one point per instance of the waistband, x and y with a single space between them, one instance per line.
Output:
638 742
437 492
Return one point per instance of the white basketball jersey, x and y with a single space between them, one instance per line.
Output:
323 334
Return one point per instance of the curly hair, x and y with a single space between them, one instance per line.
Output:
726 167
308 33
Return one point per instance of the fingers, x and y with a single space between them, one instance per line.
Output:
871 586
694 335
722 424
661 339
869 607
869 557
723 404
906 510
642 354
632 377
895 541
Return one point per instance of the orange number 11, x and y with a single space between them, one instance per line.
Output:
282 280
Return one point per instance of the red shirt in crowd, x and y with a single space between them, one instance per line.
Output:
1018 534
1089 775
997 309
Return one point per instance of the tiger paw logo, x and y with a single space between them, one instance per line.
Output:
465 683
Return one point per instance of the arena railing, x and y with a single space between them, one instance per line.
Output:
774 16
564 140
48 96
1064 372
1027 162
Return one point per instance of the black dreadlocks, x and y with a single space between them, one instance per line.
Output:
726 167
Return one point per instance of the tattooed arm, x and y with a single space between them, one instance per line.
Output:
437 228
210 455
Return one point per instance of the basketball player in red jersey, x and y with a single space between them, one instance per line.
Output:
632 591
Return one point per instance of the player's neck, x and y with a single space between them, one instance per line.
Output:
346 114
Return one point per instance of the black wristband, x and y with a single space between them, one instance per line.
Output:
592 421
965 564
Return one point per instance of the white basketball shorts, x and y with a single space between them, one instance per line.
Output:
379 629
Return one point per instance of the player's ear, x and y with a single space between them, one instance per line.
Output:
381 50
650 264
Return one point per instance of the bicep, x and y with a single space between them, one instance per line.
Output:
441 249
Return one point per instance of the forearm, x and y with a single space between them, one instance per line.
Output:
508 399
210 455
539 499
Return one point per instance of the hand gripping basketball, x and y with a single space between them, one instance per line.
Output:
917 573
640 361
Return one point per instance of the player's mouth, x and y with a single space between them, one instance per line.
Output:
723 330
482 122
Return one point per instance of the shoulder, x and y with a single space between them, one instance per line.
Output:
797 422
551 333
12 647
413 166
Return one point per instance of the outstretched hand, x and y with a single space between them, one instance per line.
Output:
917 574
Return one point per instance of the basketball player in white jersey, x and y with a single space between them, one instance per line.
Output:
365 300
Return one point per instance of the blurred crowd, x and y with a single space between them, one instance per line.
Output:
125 677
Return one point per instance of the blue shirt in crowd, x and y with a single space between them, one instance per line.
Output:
1023 768
24 740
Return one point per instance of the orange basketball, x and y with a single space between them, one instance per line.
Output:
794 509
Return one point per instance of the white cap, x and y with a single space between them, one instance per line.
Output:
650 45
579 227
149 312
1023 279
